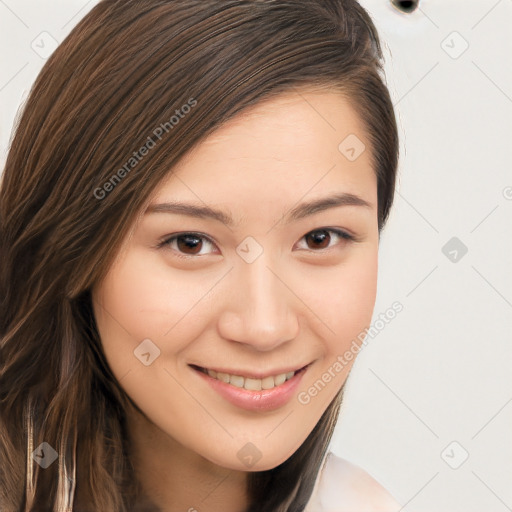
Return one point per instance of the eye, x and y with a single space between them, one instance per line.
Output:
321 238
187 244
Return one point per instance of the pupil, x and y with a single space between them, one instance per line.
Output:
191 242
319 237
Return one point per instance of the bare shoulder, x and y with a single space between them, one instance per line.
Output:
346 487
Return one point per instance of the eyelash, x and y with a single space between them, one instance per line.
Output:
166 243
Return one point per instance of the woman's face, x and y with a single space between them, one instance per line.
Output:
235 268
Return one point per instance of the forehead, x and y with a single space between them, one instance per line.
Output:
280 150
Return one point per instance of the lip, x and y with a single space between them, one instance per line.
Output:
264 400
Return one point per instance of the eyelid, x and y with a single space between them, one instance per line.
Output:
166 241
344 234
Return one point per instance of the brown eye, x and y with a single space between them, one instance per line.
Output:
323 238
319 239
188 244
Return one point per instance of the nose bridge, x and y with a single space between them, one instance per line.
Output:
261 311
266 294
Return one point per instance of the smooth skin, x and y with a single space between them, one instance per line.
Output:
302 301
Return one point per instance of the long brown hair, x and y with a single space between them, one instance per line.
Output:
72 188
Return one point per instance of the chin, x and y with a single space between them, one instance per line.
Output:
252 457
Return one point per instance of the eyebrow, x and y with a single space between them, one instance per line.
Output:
297 213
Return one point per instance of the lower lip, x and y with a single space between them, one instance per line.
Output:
264 400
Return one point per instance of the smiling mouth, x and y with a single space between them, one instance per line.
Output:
250 383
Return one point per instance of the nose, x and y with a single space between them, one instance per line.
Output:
259 308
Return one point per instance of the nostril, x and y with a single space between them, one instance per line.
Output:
405 5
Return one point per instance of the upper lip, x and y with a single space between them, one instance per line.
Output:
252 374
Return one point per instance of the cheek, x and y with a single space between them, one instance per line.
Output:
344 302
343 299
140 298
358 292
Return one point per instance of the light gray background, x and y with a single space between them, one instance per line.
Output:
434 385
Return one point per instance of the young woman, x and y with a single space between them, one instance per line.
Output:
189 226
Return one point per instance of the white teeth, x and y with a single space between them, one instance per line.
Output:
224 377
249 383
279 379
252 384
236 380
267 383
